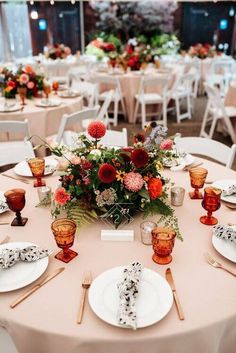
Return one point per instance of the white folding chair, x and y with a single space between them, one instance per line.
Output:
102 114
114 84
6 343
87 89
209 148
215 111
114 138
14 151
182 90
144 98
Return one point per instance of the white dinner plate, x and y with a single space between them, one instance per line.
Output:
11 108
3 205
224 185
23 168
185 161
154 300
47 104
225 247
22 273
68 94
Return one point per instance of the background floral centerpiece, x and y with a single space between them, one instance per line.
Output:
97 177
203 51
58 51
8 83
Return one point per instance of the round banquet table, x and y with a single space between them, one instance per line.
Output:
46 321
130 82
43 122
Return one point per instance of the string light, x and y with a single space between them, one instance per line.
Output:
73 2
31 2
52 2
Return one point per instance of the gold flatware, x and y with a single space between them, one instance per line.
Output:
15 178
37 286
3 223
5 240
232 206
193 165
209 182
86 283
217 264
170 280
231 224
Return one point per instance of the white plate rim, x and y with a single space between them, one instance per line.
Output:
55 103
42 265
47 162
92 294
2 198
181 161
220 245
15 108
217 183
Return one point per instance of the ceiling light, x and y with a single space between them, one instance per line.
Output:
52 2
31 2
73 2
34 15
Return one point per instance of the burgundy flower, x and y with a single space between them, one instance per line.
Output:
139 157
107 173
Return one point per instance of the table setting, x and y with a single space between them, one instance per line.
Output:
104 292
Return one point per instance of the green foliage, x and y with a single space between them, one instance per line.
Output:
170 222
80 215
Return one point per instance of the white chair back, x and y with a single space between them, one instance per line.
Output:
215 98
207 147
103 112
154 82
7 345
87 89
68 121
115 138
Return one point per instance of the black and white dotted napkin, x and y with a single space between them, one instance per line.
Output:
9 257
128 292
225 232
230 191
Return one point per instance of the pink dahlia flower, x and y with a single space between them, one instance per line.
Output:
30 84
133 181
24 79
166 145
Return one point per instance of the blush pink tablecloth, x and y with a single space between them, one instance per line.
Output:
46 321
230 98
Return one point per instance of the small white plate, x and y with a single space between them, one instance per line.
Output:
22 273
224 185
47 104
185 161
225 247
154 300
23 168
3 205
10 109
68 94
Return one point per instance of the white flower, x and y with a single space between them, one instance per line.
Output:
96 152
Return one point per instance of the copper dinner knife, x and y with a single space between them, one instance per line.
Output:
170 280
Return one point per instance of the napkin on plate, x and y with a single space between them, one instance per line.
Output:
225 232
9 257
230 191
128 292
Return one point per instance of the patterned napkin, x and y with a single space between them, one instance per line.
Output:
9 257
128 292
230 191
225 232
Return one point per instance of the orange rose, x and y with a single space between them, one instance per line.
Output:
154 188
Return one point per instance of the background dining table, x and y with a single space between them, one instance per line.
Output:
46 321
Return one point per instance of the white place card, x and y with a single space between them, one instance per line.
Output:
117 235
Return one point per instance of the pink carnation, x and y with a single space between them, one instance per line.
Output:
67 50
166 145
30 85
75 160
133 181
61 196
24 79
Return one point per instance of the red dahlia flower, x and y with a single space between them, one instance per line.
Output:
96 129
154 188
107 173
139 157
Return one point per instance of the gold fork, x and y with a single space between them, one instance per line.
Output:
5 240
86 283
217 264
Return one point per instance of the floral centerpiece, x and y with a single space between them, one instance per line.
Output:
24 77
203 51
58 51
98 179
100 48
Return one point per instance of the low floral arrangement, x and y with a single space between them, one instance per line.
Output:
114 183
58 51
100 48
203 51
137 54
24 77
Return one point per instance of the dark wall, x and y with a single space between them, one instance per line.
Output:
201 23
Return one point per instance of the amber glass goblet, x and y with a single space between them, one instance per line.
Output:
64 233
55 86
47 91
37 166
197 178
15 200
22 93
163 240
211 203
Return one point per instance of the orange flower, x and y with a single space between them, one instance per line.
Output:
61 196
154 188
28 69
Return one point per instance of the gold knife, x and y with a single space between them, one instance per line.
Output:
170 280
37 286
191 166
15 178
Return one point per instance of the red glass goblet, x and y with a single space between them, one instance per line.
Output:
64 233
197 178
210 203
163 240
37 166
55 86
15 200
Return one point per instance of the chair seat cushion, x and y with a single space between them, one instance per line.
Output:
103 95
149 98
